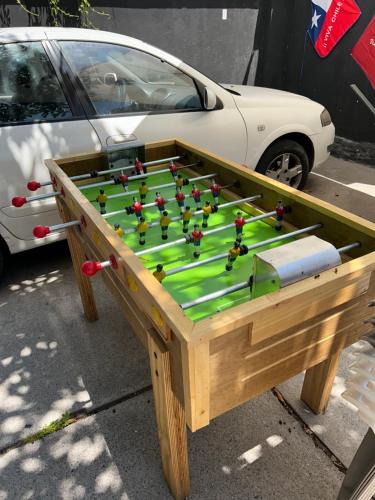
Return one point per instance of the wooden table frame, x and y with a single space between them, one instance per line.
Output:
203 369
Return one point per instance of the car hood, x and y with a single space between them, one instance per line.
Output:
262 95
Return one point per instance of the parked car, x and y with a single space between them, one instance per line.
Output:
68 91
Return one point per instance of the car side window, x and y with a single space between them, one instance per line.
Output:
29 89
119 79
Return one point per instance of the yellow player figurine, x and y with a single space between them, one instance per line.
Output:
143 190
233 253
207 210
187 214
142 228
159 273
119 230
179 181
102 199
164 223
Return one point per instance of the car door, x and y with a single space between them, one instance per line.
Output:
37 121
135 94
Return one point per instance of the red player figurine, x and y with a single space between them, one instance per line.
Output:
215 190
180 197
196 237
196 194
280 211
173 169
139 167
239 222
160 202
137 207
124 180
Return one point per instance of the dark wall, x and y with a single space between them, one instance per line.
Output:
262 42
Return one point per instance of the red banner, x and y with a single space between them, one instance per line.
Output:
364 52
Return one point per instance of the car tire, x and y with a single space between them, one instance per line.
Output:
4 254
285 161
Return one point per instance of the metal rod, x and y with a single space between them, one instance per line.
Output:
282 237
243 285
347 248
363 98
121 169
147 205
57 227
183 240
133 177
215 295
42 196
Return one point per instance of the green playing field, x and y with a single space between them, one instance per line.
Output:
191 284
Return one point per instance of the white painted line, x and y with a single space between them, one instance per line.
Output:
225 14
356 186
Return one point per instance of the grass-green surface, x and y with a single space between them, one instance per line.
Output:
202 280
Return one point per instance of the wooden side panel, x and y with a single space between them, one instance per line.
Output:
171 422
240 370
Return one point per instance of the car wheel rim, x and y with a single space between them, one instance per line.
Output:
286 168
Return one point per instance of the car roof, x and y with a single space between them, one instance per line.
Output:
8 35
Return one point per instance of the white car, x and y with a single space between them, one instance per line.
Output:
68 91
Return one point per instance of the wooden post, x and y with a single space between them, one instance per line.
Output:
318 383
170 417
78 257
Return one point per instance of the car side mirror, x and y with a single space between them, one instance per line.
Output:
110 78
210 99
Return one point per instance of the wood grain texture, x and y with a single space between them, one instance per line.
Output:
318 383
78 257
170 418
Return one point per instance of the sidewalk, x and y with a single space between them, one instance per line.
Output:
53 361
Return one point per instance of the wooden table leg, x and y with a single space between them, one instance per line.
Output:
78 258
170 417
318 383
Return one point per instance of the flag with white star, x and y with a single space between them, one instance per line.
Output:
330 20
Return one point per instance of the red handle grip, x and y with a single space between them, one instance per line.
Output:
91 267
41 231
33 185
19 201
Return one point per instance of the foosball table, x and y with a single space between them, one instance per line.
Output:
232 281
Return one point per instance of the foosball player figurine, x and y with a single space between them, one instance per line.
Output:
180 198
141 229
139 167
196 194
118 230
196 237
164 223
143 190
280 211
173 169
124 180
137 208
215 190
180 181
160 202
159 273
102 199
186 216
239 222
233 253
207 210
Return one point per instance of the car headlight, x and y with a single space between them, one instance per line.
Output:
325 118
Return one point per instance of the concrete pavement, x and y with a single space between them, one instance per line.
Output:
52 360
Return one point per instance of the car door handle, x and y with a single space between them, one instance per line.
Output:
113 140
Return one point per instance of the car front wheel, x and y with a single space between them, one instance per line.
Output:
287 162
